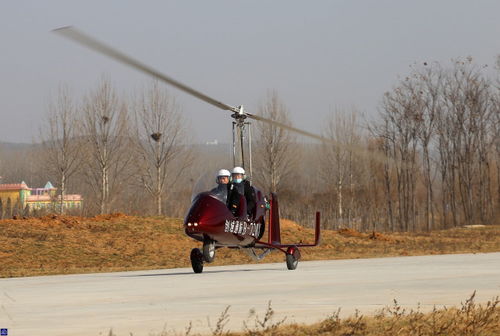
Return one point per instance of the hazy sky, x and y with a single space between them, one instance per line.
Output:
317 55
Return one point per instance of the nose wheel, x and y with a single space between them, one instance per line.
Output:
197 260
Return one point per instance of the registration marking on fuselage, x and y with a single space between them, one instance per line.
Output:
241 228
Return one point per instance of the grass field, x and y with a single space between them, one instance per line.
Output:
64 244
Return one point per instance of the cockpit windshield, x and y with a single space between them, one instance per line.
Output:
208 183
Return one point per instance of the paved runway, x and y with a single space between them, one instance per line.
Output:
147 302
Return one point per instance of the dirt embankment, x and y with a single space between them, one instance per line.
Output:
65 244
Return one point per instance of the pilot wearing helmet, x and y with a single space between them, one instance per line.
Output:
223 176
222 180
240 186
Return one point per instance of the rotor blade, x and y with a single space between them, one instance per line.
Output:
79 37
289 128
355 148
91 43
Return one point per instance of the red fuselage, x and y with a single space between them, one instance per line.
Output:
209 217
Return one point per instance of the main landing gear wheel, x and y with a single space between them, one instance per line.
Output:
292 258
209 250
197 260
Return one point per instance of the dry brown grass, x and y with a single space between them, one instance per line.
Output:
64 244
470 319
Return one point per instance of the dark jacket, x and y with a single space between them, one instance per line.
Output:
235 190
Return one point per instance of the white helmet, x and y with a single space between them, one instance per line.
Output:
223 172
238 170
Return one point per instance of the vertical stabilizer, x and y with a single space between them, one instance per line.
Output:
274 221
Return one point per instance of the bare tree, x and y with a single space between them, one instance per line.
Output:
61 141
105 122
447 164
383 136
401 115
160 142
496 131
275 158
340 170
467 97
430 83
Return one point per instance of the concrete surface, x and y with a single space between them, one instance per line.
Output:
148 302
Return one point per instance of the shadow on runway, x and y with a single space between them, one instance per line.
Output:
204 272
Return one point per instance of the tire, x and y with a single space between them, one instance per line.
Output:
291 262
292 258
208 250
197 260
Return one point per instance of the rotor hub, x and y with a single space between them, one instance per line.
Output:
239 115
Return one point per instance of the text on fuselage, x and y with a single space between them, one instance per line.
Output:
242 228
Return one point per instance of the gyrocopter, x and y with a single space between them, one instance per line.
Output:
209 219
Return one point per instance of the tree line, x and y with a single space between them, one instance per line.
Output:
429 160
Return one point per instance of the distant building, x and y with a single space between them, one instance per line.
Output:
19 196
13 194
213 143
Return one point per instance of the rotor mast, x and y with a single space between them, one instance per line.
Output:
242 140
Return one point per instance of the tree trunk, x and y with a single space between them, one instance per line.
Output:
104 189
63 193
158 191
429 205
